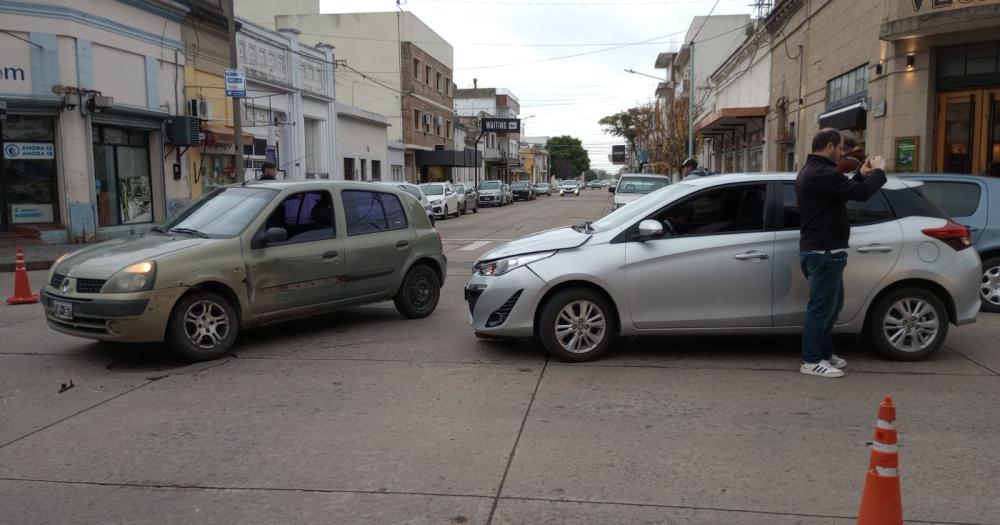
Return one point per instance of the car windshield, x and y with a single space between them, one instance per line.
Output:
568 183
543 186
225 212
518 185
489 185
641 185
433 189
626 214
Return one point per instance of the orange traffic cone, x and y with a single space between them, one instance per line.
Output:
22 288
881 502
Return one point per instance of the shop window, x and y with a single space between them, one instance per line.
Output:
122 176
27 170
216 170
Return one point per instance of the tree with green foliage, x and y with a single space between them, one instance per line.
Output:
567 156
590 175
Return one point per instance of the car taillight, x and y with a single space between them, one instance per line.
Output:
954 235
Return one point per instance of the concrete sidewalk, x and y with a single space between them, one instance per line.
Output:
36 256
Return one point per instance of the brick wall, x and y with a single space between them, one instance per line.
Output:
433 98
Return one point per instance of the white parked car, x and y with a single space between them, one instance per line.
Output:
569 187
417 193
631 187
444 200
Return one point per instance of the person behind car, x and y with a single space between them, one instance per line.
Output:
855 156
268 171
690 170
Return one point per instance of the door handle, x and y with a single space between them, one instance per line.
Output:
751 255
402 244
875 248
331 254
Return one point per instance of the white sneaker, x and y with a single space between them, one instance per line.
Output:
821 369
837 361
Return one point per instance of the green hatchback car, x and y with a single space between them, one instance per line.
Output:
249 255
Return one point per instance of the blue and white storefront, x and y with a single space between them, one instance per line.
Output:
83 102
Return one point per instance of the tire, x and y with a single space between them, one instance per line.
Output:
914 311
419 294
464 209
202 327
475 209
575 301
990 290
444 216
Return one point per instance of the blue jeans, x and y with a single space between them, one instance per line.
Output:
825 273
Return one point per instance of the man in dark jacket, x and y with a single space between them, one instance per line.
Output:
823 193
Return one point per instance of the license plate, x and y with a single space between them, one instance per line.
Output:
62 310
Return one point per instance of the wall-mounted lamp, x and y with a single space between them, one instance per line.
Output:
910 60
878 69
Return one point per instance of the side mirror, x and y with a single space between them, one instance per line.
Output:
275 235
650 229
611 189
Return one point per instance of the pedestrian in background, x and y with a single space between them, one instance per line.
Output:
823 192
855 155
268 171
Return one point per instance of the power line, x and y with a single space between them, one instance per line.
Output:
601 3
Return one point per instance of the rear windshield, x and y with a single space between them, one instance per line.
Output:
910 202
412 191
433 189
641 185
518 185
489 185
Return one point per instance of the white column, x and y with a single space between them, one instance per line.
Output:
296 166
331 115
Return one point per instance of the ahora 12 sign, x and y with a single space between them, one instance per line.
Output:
29 150
501 125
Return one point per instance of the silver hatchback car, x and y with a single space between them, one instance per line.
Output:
721 255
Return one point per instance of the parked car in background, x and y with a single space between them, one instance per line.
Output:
631 187
721 255
242 256
569 187
444 201
491 193
612 185
417 193
975 202
467 197
543 188
522 190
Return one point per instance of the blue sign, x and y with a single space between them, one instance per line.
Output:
271 154
29 150
236 83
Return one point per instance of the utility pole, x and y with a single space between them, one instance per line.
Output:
238 166
691 95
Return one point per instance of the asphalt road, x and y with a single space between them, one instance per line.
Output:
361 416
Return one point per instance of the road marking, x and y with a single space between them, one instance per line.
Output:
474 240
474 245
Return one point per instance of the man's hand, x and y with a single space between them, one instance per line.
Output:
871 164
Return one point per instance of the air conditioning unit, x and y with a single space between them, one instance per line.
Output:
184 131
200 108
280 117
439 121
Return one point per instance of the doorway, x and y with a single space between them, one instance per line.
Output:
968 132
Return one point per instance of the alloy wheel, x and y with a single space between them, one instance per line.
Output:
990 289
206 324
911 325
580 327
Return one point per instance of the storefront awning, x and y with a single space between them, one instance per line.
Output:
225 135
452 158
850 117
723 119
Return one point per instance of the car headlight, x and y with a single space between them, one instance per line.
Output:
136 278
502 266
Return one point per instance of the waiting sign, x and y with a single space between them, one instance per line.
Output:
29 150
501 125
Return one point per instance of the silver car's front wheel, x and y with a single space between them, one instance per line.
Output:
908 324
202 326
989 291
576 324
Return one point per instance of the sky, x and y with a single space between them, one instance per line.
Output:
559 96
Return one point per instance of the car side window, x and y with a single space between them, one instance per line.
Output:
306 216
363 212
958 199
870 211
734 209
790 207
394 213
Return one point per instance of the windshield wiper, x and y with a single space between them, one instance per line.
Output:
190 231
157 229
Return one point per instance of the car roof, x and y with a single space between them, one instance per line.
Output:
645 176
893 183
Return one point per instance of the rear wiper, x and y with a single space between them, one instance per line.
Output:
190 231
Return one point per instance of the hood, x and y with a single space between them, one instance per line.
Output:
103 260
557 239
435 198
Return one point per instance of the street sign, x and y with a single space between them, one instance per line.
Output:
3 111
236 83
501 125
618 154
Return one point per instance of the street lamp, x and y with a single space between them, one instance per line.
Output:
634 72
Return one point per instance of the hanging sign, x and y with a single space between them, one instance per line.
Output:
236 83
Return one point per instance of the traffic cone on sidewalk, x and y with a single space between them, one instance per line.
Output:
881 502
22 288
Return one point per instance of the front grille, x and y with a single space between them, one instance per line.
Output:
89 285
472 295
498 317
81 325
57 280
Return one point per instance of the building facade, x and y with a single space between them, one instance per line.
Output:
501 153
87 100
362 149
